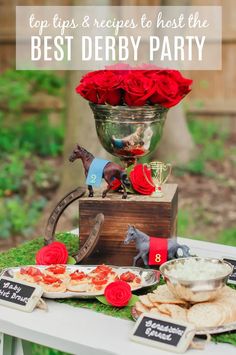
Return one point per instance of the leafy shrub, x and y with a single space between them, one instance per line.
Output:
11 175
17 217
203 131
210 137
36 136
45 177
21 141
17 87
40 137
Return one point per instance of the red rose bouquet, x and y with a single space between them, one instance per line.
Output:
123 86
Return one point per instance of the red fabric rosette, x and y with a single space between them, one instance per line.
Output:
118 293
54 253
139 181
115 185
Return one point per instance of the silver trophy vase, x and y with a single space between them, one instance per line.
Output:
129 132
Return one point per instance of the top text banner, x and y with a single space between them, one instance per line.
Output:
92 37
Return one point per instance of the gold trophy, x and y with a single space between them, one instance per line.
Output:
160 173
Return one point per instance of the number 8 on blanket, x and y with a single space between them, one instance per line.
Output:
19 295
162 332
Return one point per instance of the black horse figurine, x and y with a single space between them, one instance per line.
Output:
142 240
111 171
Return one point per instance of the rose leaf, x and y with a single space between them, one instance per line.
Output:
103 300
71 260
131 303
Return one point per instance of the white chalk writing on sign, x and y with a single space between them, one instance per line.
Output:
19 295
163 332
155 329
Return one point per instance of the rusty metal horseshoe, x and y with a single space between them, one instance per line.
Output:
53 219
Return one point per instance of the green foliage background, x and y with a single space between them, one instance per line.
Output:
25 145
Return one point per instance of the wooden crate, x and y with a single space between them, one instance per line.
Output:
155 217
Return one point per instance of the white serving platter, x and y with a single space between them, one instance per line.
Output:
148 277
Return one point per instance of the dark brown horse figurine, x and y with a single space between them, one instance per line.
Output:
111 171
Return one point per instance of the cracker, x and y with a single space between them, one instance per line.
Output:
51 288
23 277
226 290
206 314
156 311
227 300
174 311
140 308
145 300
83 287
228 311
163 295
63 276
163 308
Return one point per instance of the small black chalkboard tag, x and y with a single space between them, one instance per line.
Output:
163 332
19 295
232 277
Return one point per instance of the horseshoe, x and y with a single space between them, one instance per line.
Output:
53 219
92 239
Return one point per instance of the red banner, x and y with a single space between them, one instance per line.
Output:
158 251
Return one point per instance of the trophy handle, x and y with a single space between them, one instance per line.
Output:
167 166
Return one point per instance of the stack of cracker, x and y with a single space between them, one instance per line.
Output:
206 314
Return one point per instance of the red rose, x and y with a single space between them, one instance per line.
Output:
171 87
89 76
138 88
118 293
139 181
86 87
108 86
101 87
54 253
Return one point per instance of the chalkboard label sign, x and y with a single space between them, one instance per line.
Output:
163 332
232 277
20 295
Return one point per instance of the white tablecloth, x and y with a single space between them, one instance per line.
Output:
84 332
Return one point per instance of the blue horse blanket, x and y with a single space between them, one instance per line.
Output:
95 172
